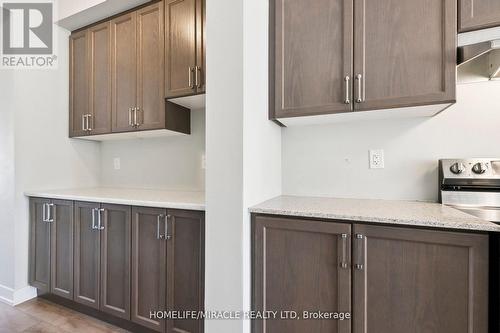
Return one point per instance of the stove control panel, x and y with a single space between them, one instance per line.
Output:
470 168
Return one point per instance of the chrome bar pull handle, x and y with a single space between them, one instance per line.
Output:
198 76
44 212
93 219
136 117
130 116
359 97
50 215
89 123
343 262
84 123
360 243
168 218
190 77
100 211
158 222
347 99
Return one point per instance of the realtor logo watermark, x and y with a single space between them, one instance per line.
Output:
28 39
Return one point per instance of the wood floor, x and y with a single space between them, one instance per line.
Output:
42 316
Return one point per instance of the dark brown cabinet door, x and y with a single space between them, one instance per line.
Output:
115 260
39 268
123 71
87 255
404 53
100 78
61 282
200 46
311 56
148 266
185 267
301 265
150 67
180 51
474 15
419 281
78 83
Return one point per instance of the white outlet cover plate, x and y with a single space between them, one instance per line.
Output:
116 163
377 159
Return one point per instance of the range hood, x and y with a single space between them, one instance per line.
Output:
479 56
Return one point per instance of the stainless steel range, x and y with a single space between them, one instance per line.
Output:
471 185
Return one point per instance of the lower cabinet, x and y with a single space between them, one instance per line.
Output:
402 279
102 257
167 245
123 261
87 255
148 266
51 246
61 248
115 233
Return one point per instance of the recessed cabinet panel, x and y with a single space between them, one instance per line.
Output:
150 69
185 268
148 266
78 83
311 52
62 249
115 260
405 53
40 237
478 14
181 45
87 255
420 281
100 78
124 71
301 266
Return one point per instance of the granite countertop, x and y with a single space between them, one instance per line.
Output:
410 213
133 197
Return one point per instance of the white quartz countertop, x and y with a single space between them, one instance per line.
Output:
410 213
133 197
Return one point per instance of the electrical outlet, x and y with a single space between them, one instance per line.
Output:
116 163
376 159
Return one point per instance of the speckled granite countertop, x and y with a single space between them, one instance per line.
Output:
410 213
133 197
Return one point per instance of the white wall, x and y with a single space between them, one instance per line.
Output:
332 160
160 163
7 186
71 7
243 150
41 152
224 174
261 137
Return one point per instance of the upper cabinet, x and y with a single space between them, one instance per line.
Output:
333 56
78 84
312 55
184 47
474 15
138 61
150 67
100 78
117 77
404 53
124 71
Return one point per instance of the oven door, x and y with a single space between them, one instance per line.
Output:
485 205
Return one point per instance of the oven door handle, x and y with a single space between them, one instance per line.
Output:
483 212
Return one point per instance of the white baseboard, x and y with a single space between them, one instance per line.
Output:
24 294
14 297
6 295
